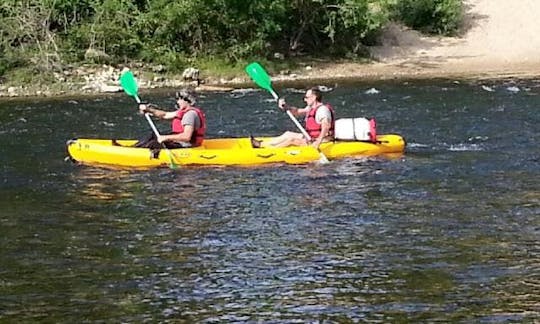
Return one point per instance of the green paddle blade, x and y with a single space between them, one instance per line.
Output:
129 84
259 76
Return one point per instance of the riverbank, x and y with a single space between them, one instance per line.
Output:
94 83
491 46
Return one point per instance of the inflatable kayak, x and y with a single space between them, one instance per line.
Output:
222 151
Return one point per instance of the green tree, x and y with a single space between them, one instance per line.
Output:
432 16
26 35
336 27
47 34
107 31
232 28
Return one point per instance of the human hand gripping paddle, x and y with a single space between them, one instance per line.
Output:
129 84
262 79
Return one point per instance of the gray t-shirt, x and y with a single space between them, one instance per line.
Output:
323 112
191 118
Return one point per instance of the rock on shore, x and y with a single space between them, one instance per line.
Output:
105 79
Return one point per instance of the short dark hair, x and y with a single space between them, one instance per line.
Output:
186 95
317 93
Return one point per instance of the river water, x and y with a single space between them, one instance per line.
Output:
449 232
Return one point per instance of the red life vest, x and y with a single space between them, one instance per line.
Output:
198 134
313 128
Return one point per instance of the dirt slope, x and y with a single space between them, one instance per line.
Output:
500 38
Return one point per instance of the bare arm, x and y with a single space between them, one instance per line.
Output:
185 136
154 111
301 111
294 110
325 127
189 122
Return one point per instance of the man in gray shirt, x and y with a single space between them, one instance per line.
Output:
188 124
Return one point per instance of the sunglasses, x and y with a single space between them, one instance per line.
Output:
183 98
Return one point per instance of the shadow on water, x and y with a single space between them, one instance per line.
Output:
446 232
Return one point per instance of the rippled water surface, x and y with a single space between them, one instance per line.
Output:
448 232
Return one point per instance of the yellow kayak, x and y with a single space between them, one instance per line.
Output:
223 151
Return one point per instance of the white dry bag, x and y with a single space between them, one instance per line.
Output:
356 129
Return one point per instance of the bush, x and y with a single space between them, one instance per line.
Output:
431 16
177 33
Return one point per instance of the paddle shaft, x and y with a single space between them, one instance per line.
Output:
129 84
262 79
298 125
147 115
322 157
156 132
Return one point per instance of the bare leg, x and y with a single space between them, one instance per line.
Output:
281 138
286 139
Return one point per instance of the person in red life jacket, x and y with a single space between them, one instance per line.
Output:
188 124
319 123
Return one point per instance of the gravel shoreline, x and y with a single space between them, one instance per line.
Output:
105 80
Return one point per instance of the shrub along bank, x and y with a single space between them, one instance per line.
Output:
43 37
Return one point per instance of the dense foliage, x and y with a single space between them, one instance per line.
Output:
432 16
49 34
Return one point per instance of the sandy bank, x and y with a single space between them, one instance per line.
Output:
499 38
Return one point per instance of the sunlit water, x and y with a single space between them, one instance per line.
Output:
448 232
